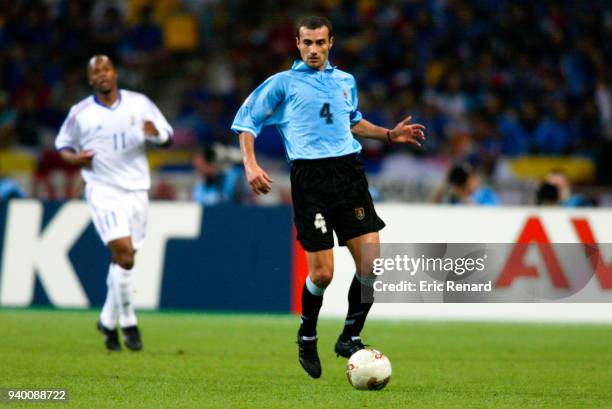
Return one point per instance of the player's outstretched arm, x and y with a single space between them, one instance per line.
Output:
403 132
258 179
82 158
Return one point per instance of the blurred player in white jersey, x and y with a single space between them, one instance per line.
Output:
106 135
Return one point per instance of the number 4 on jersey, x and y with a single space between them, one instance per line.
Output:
326 113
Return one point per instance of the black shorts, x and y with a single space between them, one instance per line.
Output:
331 195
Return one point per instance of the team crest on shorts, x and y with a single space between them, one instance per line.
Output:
359 213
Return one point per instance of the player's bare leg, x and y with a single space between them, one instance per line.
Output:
122 252
121 284
321 271
364 249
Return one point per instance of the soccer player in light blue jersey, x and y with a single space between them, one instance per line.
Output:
314 107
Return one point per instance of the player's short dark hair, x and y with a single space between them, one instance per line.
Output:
459 174
209 153
547 194
312 23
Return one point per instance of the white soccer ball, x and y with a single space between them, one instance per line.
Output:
368 369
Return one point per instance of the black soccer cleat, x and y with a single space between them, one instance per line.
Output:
347 347
111 337
131 338
309 358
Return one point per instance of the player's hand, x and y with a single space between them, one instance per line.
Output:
258 179
84 158
405 132
149 129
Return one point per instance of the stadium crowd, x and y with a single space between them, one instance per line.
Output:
487 78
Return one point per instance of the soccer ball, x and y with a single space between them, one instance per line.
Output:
368 369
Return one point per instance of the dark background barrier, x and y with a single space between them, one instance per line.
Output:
241 261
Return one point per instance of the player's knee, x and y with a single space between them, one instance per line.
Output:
127 262
125 259
322 276
365 272
122 253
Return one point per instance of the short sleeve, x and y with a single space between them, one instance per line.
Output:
69 134
259 107
355 115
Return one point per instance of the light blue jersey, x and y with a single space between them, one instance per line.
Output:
313 111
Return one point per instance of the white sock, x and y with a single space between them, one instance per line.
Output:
313 289
123 289
108 316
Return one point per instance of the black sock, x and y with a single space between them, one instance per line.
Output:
357 311
311 305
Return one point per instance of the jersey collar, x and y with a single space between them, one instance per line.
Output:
299 65
112 107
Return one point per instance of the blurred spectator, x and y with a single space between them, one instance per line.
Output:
435 123
8 122
221 175
566 197
552 136
9 188
54 178
547 195
603 99
487 78
72 31
108 28
163 190
29 122
143 43
463 186
181 33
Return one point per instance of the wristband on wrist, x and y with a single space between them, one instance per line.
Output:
159 139
389 136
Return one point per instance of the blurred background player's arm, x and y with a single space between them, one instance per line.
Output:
82 158
153 135
156 128
258 179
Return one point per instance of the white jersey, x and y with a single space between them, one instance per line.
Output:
115 135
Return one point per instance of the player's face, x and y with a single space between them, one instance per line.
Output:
314 46
102 75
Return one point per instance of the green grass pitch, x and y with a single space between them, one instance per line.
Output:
235 361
